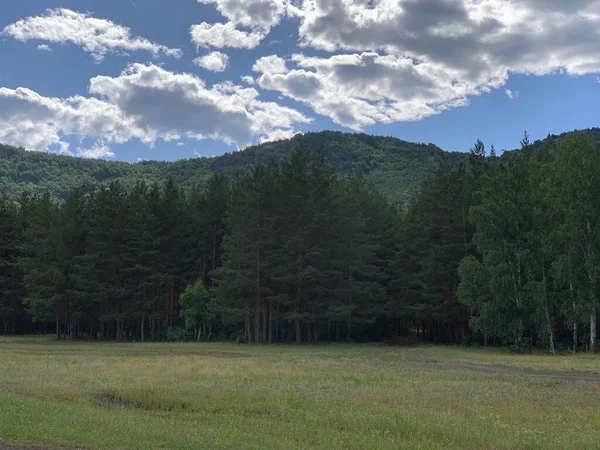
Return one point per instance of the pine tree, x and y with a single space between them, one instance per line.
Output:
12 311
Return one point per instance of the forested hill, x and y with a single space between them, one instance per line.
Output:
395 167
540 144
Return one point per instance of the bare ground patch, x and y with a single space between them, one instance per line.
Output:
27 447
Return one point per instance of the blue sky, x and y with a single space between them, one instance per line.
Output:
125 80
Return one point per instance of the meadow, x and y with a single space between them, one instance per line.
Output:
229 396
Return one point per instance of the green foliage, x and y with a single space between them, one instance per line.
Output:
197 309
394 166
280 245
536 215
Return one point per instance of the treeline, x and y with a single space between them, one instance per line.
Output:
395 167
287 252
534 277
495 250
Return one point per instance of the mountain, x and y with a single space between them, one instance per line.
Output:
396 167
540 144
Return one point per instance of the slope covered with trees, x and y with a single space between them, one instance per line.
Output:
495 250
394 166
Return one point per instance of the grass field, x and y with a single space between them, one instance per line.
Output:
213 396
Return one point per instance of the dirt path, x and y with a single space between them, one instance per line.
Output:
24 447
506 370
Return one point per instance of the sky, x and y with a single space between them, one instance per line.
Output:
164 80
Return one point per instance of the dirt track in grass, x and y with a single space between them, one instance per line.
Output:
506 370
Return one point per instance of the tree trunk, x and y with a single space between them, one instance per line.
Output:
575 321
257 320
270 321
548 321
593 330
264 324
247 328
172 308
214 257
143 327
349 330
298 331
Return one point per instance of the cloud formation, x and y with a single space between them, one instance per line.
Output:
222 35
215 61
98 37
144 102
250 13
399 60
99 150
359 63
258 16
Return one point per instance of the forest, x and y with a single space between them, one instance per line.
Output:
395 167
491 250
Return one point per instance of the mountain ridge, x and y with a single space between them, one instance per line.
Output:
394 166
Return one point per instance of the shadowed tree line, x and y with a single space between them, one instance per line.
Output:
497 250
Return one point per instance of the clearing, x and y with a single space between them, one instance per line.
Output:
193 396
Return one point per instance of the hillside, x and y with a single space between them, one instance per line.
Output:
396 167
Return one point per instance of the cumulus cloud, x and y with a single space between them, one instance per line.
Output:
278 135
38 122
225 35
99 150
378 61
144 102
215 61
258 16
272 64
512 94
356 90
44 48
250 13
408 59
98 37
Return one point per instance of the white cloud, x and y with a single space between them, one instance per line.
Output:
215 61
250 13
99 150
512 94
278 135
96 36
180 144
403 60
44 48
40 123
357 90
259 16
222 35
270 64
144 102
388 61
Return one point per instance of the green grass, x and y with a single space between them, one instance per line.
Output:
145 396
